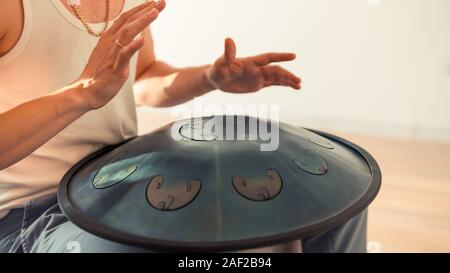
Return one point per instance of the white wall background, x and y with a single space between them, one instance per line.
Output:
368 66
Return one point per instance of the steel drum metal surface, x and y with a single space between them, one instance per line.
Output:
203 193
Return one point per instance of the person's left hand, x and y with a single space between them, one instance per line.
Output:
246 75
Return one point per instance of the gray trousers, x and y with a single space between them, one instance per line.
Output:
41 227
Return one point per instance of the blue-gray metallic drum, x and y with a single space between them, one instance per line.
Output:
186 188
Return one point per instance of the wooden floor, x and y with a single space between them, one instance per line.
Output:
412 211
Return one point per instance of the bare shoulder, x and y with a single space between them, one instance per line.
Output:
11 24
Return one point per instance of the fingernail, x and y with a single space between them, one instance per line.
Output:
153 13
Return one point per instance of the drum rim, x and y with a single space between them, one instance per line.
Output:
77 217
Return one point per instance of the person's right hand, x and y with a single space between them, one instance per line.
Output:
109 64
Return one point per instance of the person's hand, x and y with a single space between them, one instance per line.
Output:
246 75
108 67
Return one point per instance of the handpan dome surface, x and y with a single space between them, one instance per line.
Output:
202 193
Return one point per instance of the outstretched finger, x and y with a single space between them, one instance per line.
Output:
158 6
268 58
136 13
125 54
130 30
230 50
277 73
282 83
126 15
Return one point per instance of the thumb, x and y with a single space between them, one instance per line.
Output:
230 50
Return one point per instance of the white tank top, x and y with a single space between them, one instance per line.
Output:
51 53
